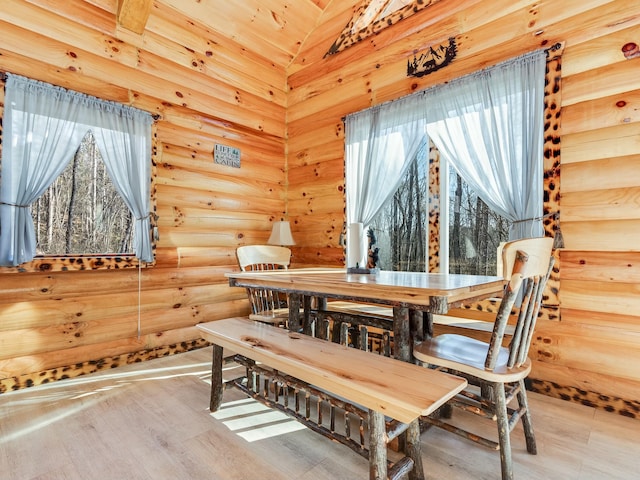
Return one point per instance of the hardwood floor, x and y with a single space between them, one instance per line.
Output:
151 421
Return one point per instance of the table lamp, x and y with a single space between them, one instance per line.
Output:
281 234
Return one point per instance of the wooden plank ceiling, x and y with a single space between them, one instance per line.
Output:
273 29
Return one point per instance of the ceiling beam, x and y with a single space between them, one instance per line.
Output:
133 14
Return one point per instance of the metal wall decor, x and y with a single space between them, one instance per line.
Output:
432 59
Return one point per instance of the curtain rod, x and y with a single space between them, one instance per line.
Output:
155 116
553 48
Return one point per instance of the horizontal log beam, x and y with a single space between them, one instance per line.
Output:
133 14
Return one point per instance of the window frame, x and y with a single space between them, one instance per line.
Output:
551 153
78 262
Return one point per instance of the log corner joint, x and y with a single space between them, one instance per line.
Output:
133 14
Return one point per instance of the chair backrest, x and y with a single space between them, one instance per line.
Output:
264 257
529 262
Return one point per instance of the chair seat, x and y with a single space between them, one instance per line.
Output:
467 355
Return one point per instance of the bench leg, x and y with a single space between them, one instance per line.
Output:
216 379
377 446
413 450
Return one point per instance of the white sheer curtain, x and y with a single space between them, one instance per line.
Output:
380 143
489 126
125 145
43 127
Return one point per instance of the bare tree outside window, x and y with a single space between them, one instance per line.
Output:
401 227
81 212
475 231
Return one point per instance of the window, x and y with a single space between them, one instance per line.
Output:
376 11
44 128
374 15
81 212
488 126
475 231
401 228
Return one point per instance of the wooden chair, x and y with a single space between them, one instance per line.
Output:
266 305
498 371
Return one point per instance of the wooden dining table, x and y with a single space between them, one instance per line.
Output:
414 296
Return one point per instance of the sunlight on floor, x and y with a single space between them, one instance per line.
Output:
62 399
247 418
254 421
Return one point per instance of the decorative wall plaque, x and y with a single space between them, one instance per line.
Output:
225 155
432 59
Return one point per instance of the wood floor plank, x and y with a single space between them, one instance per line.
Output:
151 421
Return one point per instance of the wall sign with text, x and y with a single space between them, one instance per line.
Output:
225 155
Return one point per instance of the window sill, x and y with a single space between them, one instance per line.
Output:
68 263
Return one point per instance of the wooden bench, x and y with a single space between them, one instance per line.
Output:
382 386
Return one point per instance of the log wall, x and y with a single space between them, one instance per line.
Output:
206 89
590 353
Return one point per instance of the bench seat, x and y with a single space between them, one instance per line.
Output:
387 387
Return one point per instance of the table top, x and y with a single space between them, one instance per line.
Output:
401 390
414 289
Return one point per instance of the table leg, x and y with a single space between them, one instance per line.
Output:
320 306
294 312
217 387
417 327
321 303
421 325
307 322
402 334
407 327
427 325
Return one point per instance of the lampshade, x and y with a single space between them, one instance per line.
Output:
281 234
